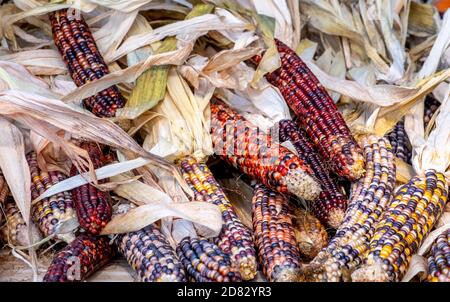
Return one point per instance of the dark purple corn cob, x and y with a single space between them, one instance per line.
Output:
78 260
150 255
431 106
330 207
400 142
94 209
317 113
76 44
206 262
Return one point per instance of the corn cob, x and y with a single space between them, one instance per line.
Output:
257 155
235 239
369 197
317 113
48 213
15 231
439 259
206 262
404 224
431 106
93 206
150 255
400 142
4 190
81 258
310 234
84 62
274 234
331 205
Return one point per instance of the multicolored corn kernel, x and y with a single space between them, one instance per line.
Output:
310 234
150 255
407 220
331 205
206 262
49 212
254 153
235 239
369 198
317 113
400 142
274 234
80 259
15 230
84 62
93 206
439 259
431 106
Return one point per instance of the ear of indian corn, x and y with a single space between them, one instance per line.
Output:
4 190
431 106
317 113
274 235
15 230
400 142
331 205
404 224
49 212
81 258
439 259
206 262
310 234
93 206
84 62
369 198
150 255
235 239
254 153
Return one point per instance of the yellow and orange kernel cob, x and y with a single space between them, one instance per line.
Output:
4 190
81 258
274 234
150 255
400 142
235 239
93 206
15 230
331 205
369 198
407 220
84 62
317 113
254 153
310 234
48 213
206 262
439 259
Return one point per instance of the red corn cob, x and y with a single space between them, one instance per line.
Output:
93 206
76 44
317 113
254 153
330 207
78 260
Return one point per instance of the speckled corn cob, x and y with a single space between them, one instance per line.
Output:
404 224
254 153
93 206
310 234
431 106
400 142
206 262
331 205
317 113
3 188
439 259
78 260
49 212
150 255
76 44
15 230
369 198
235 239
274 235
